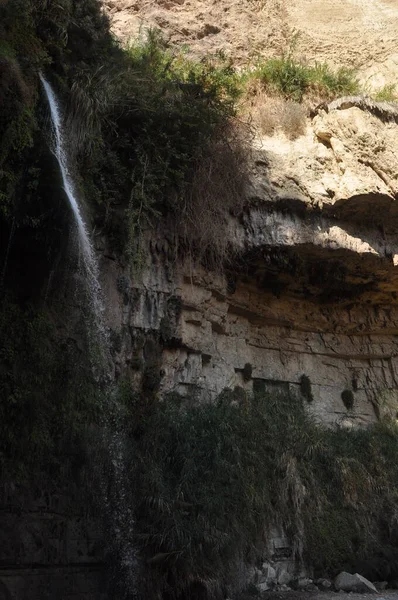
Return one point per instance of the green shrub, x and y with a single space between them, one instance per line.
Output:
294 79
285 76
350 517
341 82
183 107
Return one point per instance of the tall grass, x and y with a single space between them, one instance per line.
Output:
388 93
294 79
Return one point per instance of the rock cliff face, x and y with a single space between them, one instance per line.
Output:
314 290
311 294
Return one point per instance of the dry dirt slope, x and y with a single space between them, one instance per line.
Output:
362 33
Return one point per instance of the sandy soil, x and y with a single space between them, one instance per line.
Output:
241 28
361 33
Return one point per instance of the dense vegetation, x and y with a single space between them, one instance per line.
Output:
141 121
295 79
210 479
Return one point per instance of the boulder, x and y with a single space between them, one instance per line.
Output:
260 576
284 578
347 582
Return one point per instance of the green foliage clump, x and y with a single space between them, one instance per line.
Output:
294 79
210 479
350 523
388 93
198 470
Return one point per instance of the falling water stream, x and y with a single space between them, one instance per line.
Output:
89 261
114 487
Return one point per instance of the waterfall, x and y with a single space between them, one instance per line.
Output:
114 487
89 261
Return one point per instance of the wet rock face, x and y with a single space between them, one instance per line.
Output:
312 294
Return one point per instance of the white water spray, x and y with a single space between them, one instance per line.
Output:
89 261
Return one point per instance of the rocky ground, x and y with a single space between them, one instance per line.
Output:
386 595
360 33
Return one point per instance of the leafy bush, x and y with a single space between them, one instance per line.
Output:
351 519
179 122
325 81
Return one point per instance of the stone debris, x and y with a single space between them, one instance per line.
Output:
303 583
283 588
323 584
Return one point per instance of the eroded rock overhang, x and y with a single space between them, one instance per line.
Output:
312 291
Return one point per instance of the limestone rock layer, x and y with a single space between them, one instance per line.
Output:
312 292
